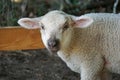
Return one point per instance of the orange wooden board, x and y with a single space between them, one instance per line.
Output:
16 38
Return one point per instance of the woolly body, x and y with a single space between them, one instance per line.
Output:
92 49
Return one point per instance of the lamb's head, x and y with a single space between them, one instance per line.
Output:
53 25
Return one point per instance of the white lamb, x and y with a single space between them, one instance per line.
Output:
89 44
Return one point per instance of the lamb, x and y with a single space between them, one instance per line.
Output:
89 44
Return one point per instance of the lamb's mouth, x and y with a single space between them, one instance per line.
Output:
54 49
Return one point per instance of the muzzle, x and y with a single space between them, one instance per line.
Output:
53 44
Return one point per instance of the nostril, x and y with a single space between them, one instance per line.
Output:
53 43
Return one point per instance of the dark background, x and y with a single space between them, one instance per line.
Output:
12 10
39 64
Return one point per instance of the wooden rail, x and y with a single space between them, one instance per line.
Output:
16 38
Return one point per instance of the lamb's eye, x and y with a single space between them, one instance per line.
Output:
65 27
42 26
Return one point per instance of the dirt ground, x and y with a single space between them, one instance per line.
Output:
35 65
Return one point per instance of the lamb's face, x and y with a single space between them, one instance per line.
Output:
53 26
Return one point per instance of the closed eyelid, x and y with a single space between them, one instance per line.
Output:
67 21
40 23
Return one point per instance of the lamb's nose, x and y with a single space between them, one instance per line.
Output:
52 43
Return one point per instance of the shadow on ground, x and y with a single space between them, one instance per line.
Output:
35 65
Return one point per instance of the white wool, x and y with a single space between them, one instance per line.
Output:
92 49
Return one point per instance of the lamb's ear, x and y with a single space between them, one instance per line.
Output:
82 21
29 23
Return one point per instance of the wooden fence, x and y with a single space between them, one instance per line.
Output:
16 38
